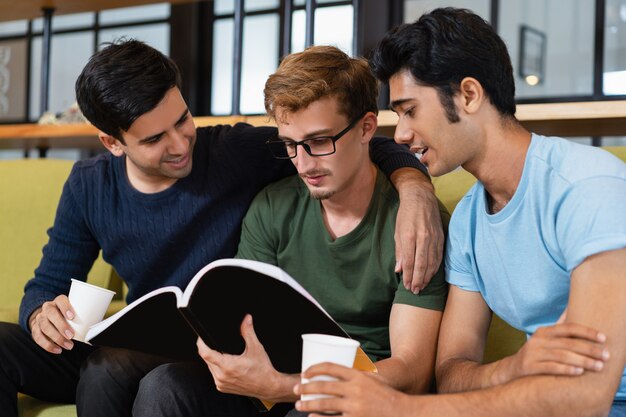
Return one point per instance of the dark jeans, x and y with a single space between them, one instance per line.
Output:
26 368
113 382
187 389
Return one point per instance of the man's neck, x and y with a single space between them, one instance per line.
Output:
144 183
500 165
343 211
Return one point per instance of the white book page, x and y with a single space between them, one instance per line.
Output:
97 328
262 267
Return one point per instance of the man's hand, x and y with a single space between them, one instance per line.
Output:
49 327
562 349
355 394
251 373
419 232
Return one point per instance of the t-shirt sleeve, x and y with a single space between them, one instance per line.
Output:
256 241
458 258
591 219
433 297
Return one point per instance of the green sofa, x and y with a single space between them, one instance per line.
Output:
31 190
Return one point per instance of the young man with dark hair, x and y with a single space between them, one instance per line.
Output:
166 200
540 240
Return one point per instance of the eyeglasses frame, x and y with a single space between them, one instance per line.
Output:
306 147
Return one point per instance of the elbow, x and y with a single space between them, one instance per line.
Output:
597 402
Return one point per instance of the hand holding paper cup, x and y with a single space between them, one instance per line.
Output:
318 348
90 303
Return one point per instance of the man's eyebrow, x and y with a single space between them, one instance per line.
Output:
396 103
182 116
156 136
310 135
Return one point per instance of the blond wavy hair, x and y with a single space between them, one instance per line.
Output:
318 72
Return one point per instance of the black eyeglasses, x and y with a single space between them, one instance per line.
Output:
317 146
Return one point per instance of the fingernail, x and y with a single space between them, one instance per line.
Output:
605 355
56 350
578 371
598 365
416 291
397 267
69 314
601 337
68 334
248 319
68 345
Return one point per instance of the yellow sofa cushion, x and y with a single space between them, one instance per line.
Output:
31 189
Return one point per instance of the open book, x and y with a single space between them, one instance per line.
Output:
167 321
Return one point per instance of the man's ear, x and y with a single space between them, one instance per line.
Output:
112 144
472 94
370 124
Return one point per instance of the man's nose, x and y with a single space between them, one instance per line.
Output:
403 134
303 161
178 144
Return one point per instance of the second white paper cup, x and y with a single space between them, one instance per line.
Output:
90 303
318 348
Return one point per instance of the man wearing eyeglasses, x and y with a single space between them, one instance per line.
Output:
331 227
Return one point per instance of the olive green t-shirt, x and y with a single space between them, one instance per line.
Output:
353 276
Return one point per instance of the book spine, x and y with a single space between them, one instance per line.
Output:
197 327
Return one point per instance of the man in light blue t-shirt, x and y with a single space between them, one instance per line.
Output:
540 240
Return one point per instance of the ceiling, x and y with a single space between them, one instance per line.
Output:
30 9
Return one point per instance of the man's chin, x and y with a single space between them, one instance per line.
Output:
321 194
180 173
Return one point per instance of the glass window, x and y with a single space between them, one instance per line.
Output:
254 5
615 48
558 43
156 35
413 9
135 14
67 21
614 141
298 30
259 59
15 27
13 63
333 26
224 7
222 77
69 54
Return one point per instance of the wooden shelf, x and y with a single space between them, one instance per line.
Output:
594 118
606 118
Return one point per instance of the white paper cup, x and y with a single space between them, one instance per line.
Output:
318 348
90 303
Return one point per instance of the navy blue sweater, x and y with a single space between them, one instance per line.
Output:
161 239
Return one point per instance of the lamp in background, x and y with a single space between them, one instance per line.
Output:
532 52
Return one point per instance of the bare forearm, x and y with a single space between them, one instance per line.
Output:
408 378
525 397
409 182
458 375
282 388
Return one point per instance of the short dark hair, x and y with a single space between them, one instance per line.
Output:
443 47
123 81
319 72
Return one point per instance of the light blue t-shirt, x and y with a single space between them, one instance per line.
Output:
570 204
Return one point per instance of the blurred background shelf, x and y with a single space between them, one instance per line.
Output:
598 118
